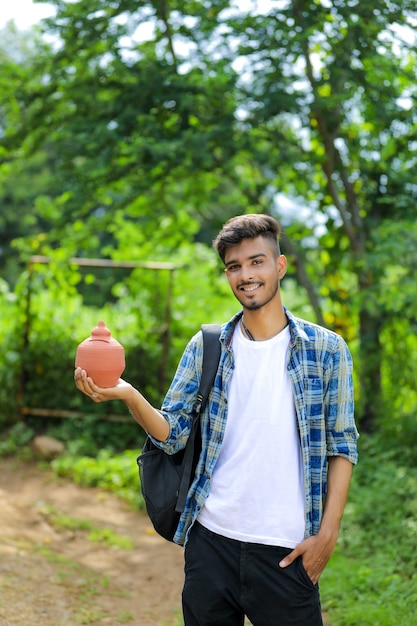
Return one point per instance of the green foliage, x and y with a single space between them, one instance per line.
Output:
371 579
15 441
55 325
153 313
10 366
88 435
398 422
364 592
149 125
117 473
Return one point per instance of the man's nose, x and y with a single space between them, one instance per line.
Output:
246 273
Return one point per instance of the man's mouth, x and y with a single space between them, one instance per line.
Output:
248 287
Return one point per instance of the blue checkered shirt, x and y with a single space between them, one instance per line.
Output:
320 370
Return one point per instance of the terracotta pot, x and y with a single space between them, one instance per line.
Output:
101 356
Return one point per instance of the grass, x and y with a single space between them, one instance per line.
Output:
367 592
372 576
94 532
86 586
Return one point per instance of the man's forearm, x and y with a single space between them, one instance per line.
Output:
338 482
146 415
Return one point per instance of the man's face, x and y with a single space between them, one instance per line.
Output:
254 272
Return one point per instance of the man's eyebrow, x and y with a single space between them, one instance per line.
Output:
250 258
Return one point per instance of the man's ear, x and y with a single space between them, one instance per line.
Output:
282 265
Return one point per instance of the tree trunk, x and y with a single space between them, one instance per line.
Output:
370 358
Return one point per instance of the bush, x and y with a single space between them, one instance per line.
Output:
371 578
16 440
116 473
10 367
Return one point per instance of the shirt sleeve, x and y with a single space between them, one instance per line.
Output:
181 397
341 431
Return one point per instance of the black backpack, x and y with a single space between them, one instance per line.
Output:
166 478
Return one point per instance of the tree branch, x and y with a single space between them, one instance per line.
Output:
349 211
303 278
163 15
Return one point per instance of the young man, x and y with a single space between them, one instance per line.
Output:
279 442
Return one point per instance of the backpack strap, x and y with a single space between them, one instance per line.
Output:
211 357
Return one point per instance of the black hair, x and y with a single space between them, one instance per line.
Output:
248 226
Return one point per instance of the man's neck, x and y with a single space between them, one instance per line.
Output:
261 325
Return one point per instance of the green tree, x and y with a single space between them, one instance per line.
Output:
28 185
165 115
344 75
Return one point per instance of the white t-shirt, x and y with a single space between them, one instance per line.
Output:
257 487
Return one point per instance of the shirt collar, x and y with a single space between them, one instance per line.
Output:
297 331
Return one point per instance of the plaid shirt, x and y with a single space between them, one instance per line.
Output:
320 369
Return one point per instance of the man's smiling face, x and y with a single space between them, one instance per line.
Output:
254 271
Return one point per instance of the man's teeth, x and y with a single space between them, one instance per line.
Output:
251 287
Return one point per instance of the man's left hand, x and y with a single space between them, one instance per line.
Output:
315 552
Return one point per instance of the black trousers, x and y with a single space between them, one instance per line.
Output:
227 579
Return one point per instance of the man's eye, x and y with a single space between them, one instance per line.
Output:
257 262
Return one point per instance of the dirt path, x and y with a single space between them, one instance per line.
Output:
56 564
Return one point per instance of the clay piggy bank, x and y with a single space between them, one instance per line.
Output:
101 356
